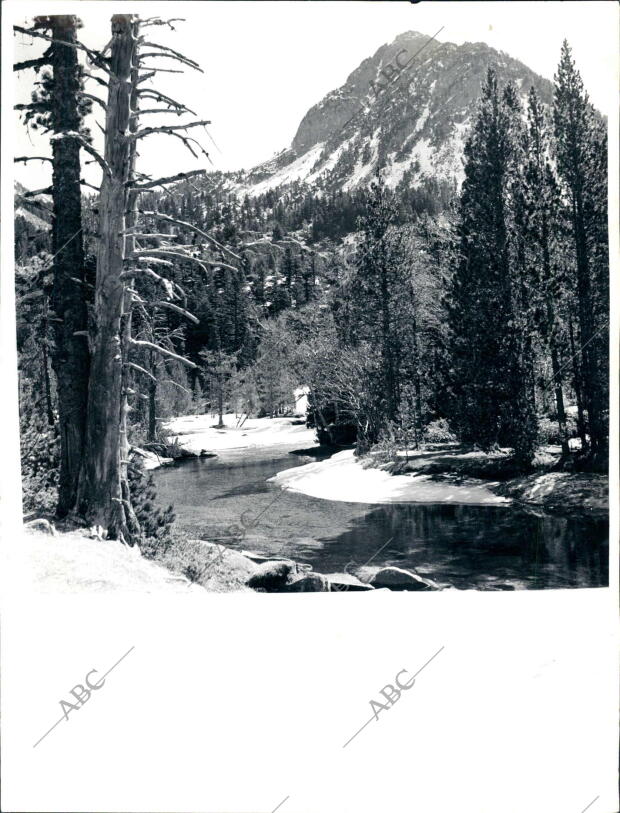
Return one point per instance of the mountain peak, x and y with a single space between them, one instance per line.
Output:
405 111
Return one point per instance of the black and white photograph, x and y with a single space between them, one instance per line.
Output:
316 297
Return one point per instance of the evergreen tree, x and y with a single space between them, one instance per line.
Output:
581 150
381 277
219 368
58 107
542 230
488 364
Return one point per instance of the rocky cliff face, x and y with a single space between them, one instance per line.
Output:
405 111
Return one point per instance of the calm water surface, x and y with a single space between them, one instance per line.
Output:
464 546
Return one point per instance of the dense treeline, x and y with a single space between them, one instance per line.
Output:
514 331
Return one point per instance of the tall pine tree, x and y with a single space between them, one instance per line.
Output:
489 364
581 158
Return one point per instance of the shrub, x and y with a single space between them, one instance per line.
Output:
439 432
549 432
385 450
155 522
40 450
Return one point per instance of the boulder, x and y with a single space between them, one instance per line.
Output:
309 583
42 525
395 578
222 558
272 576
344 582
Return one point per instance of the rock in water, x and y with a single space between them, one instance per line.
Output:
395 578
272 576
310 583
344 582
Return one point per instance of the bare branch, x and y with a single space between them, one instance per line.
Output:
171 53
220 265
180 59
167 129
31 63
170 179
97 79
146 76
176 384
153 70
177 309
25 158
162 252
94 57
34 192
161 97
155 260
139 369
162 351
156 110
92 186
152 235
88 147
193 228
166 284
186 141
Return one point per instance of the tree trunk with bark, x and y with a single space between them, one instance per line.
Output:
104 492
70 355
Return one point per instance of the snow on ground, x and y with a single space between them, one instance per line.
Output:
361 170
422 118
198 432
74 563
343 478
297 170
393 172
329 163
152 460
423 153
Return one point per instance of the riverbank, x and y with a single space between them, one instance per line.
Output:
44 559
200 435
450 475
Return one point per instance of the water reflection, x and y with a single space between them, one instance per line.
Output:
483 547
480 546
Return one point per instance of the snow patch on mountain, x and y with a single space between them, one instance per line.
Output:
297 170
363 169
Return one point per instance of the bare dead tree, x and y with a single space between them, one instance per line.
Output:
124 259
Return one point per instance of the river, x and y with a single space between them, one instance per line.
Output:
462 546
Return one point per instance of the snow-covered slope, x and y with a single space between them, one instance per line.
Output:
30 208
71 562
410 129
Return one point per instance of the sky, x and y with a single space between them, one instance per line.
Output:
266 63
